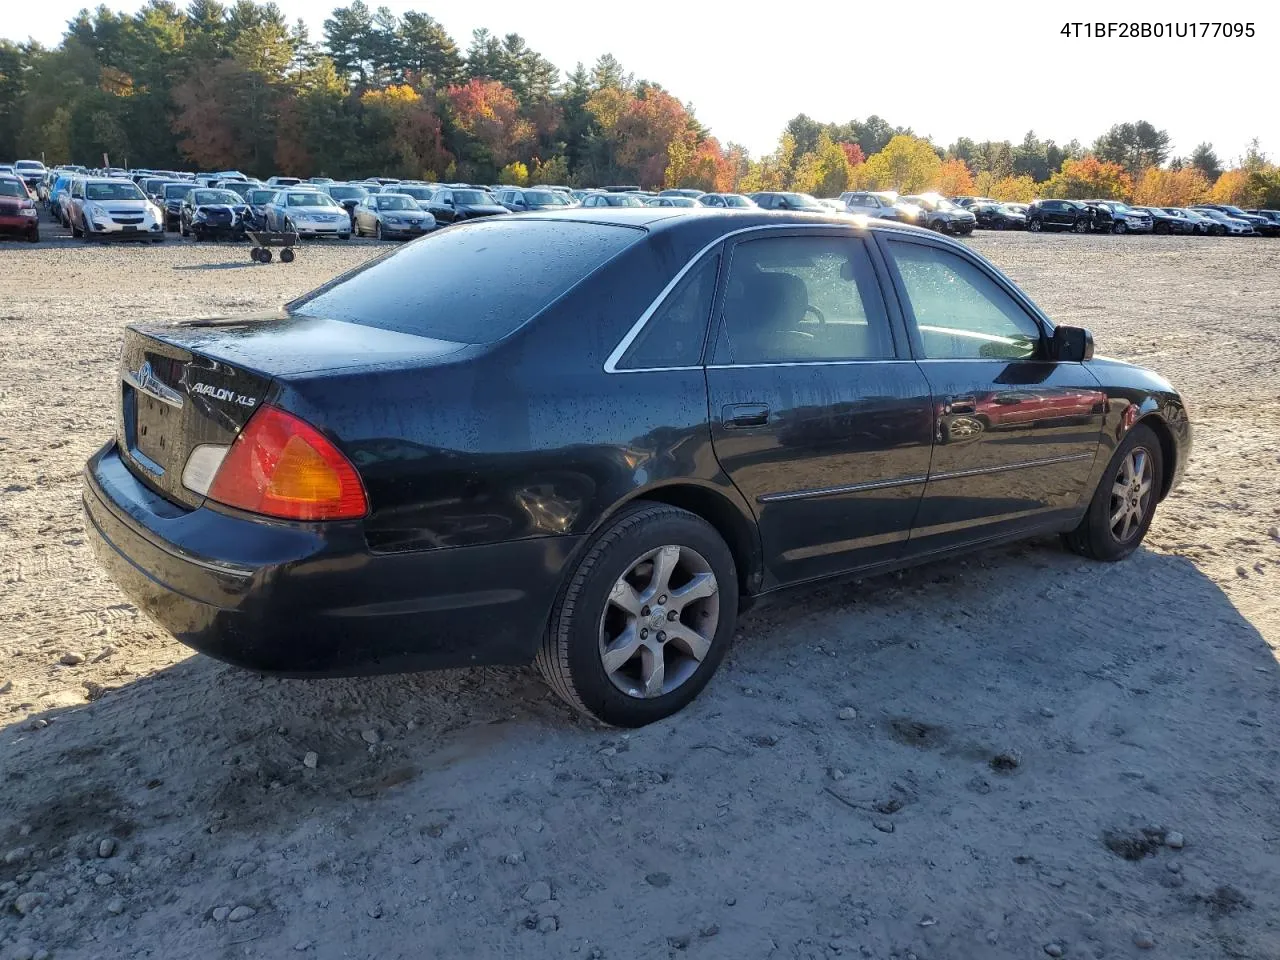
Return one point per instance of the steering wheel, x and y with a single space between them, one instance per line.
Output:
810 308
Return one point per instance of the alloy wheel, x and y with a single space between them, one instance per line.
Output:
659 621
1130 494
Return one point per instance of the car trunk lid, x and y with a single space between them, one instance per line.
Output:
198 382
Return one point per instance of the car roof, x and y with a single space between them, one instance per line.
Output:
676 218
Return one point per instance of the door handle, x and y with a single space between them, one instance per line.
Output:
738 415
965 404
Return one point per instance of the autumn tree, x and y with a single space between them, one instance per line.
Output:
1089 178
824 171
1019 189
906 164
1231 187
488 113
954 179
1161 187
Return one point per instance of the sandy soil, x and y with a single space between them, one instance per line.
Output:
1034 735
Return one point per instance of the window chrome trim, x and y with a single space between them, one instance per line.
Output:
836 491
611 364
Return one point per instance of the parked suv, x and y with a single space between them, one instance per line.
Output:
1112 216
884 205
939 213
1059 215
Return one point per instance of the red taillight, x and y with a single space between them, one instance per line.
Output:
284 467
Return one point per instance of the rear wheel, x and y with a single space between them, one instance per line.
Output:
377 229
1122 507
1033 226
1161 228
644 619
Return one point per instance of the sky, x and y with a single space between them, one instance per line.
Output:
986 69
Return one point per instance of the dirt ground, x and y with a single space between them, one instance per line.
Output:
1049 756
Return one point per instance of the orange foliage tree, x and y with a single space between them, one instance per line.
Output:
954 179
1089 178
645 131
853 153
703 167
1232 187
417 140
1021 189
1158 187
489 112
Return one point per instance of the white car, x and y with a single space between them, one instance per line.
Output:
309 213
101 207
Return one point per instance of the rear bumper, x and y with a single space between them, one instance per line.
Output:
312 599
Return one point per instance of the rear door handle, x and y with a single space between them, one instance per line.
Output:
738 415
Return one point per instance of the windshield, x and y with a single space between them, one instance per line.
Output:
174 190
418 193
733 200
259 197
623 200
397 201
1234 211
347 193
473 285
310 200
471 196
545 197
112 191
29 165
803 201
200 197
12 188
1116 206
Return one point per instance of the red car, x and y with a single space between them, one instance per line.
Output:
18 213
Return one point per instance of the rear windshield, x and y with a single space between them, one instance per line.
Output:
173 190
470 284
396 201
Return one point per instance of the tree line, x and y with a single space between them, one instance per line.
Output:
217 86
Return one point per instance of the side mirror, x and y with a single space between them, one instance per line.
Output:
1071 344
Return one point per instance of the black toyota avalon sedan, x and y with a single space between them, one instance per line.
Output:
590 438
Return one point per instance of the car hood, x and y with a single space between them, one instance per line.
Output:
313 211
12 203
223 207
122 204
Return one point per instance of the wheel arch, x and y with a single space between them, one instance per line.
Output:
1168 449
717 507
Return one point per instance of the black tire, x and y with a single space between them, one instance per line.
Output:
286 255
1081 226
76 231
569 658
341 236
377 229
33 236
1162 228
1034 226
253 253
182 229
1119 227
1094 537
1218 231
264 256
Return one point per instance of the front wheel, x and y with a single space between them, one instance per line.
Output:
1119 228
1033 226
1122 507
377 229
644 619
1081 226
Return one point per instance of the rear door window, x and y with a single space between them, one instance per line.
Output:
474 284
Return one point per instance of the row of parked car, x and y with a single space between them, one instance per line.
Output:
147 204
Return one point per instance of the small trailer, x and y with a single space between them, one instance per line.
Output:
264 240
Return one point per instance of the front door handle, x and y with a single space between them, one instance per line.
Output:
738 415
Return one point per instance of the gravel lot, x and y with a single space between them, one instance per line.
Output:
1044 756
